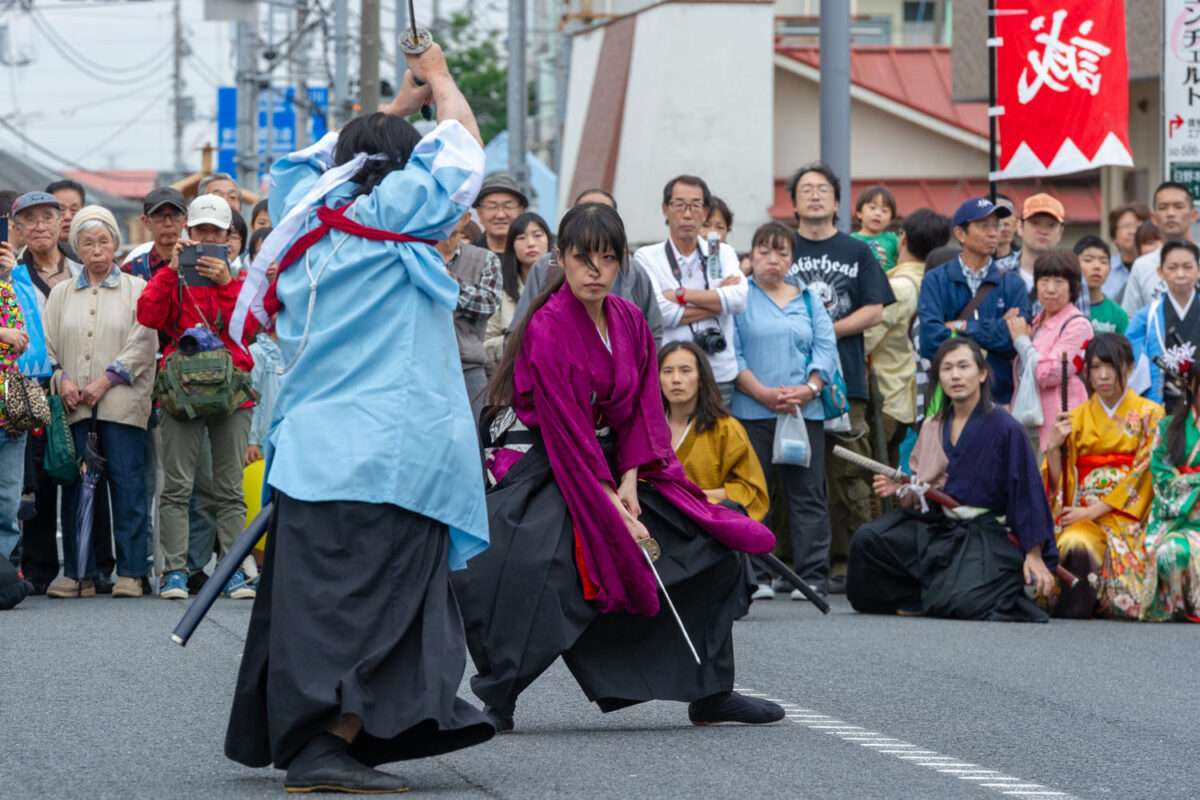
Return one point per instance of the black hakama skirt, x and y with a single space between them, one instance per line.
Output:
523 605
959 569
354 615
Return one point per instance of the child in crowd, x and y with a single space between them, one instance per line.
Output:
875 210
1095 262
1148 238
720 219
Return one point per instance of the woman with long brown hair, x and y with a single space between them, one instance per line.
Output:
585 475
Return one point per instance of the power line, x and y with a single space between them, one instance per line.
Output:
133 120
69 56
60 159
46 28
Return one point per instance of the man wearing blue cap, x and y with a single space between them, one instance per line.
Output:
971 296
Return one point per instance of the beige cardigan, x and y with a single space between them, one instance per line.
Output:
92 328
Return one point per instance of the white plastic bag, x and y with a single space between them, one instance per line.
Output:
791 441
1027 402
839 424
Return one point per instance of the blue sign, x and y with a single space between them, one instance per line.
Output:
283 124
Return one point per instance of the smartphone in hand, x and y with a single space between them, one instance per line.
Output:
189 259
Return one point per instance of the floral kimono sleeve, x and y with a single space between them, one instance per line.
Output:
1174 492
1132 495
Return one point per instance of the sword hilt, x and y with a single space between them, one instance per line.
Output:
414 42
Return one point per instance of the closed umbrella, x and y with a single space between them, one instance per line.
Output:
91 467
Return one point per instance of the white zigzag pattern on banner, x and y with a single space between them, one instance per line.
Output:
1025 164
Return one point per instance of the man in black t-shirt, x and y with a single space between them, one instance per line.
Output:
843 271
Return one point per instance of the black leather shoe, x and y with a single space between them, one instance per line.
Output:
104 585
837 585
341 773
501 721
733 707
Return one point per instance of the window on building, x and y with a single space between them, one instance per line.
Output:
920 22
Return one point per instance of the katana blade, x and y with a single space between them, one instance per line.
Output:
671 605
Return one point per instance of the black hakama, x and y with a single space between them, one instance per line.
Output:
959 569
354 615
523 603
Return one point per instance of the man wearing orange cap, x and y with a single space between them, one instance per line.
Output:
1041 230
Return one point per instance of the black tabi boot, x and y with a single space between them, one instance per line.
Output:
324 765
733 707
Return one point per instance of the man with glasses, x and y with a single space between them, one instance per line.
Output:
500 202
163 211
845 274
694 306
970 296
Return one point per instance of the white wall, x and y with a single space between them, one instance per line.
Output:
699 101
585 52
882 145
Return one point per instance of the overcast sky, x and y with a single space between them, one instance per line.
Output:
87 118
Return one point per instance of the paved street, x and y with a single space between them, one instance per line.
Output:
99 704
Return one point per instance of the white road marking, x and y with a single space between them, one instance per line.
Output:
945 765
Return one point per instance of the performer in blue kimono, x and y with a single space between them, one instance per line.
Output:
355 649
1169 325
960 564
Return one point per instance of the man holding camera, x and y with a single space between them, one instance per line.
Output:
198 291
694 305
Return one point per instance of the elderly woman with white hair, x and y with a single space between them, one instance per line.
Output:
104 362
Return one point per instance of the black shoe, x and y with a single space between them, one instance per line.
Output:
196 581
837 585
103 585
501 721
733 707
37 588
344 774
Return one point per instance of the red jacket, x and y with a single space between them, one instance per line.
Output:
159 308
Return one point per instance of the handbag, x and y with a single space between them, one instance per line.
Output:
791 445
833 394
1027 403
60 460
25 406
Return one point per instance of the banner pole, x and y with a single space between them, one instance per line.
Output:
992 165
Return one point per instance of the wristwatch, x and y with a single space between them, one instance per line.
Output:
679 296
960 325
816 392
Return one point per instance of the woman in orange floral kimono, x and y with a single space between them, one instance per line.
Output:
1102 497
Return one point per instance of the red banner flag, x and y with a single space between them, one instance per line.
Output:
1062 86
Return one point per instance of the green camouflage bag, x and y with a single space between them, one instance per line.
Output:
60 462
202 385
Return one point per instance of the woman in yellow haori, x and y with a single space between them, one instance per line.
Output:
1102 501
711 445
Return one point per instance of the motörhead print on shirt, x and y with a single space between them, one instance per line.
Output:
845 274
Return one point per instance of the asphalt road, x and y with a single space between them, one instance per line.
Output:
97 703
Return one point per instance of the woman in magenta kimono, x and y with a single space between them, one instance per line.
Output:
581 457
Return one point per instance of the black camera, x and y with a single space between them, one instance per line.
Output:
710 340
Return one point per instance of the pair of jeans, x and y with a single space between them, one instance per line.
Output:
183 448
124 450
12 480
801 490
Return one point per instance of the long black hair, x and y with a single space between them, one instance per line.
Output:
1112 349
1177 427
949 346
585 229
510 265
709 407
374 134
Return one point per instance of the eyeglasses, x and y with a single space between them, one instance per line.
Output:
695 206
491 208
32 224
810 189
167 216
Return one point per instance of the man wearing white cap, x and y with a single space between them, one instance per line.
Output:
172 306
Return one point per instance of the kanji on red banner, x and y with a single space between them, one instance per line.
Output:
1062 82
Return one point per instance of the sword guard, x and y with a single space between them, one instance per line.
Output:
651 547
414 42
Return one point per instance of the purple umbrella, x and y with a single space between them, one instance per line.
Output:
91 466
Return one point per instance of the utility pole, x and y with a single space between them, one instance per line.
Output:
835 99
368 69
343 105
518 95
247 107
298 74
398 60
177 86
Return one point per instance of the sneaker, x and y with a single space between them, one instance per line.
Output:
175 587
69 587
239 588
127 587
763 592
799 595
837 584
912 610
